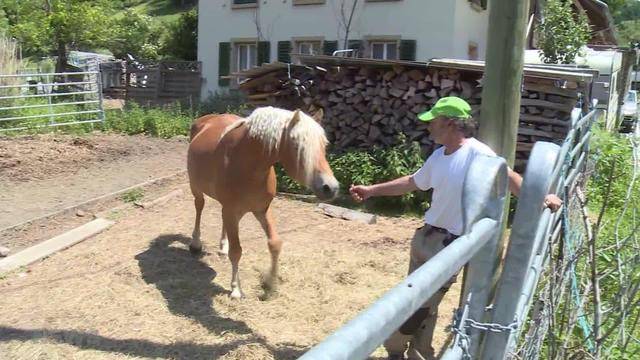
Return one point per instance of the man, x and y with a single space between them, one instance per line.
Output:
450 124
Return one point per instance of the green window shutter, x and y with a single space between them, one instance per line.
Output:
284 51
224 62
328 47
264 47
408 50
356 45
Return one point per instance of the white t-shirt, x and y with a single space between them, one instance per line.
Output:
445 174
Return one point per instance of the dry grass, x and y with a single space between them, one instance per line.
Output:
135 291
9 62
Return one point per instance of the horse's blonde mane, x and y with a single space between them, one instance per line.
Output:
267 124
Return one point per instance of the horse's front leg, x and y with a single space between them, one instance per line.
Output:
275 245
230 221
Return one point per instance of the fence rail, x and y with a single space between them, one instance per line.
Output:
37 100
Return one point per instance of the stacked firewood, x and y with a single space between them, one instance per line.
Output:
371 106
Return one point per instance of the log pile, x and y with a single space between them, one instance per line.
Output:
370 106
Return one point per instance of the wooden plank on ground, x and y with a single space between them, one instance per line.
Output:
347 214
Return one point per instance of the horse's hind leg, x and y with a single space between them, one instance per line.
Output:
196 245
230 222
275 245
224 242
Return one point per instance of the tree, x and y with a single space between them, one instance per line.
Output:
562 33
57 26
134 34
345 11
181 41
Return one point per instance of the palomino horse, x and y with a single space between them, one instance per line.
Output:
231 160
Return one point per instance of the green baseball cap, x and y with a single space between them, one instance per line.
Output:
450 106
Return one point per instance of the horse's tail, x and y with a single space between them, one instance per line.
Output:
196 127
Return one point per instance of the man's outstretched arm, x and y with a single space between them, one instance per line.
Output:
395 187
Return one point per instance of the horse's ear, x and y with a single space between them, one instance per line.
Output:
295 119
318 115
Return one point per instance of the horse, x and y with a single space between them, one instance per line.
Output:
231 159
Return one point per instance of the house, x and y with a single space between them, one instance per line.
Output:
235 35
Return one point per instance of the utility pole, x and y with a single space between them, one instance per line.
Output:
500 111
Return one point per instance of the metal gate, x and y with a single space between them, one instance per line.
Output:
29 101
550 167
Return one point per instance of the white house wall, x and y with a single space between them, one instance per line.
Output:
471 25
430 22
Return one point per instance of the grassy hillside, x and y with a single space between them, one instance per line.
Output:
164 11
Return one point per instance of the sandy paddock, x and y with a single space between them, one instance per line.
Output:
135 291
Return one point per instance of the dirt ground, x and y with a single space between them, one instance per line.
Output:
41 174
135 291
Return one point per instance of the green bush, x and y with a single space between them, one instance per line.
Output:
162 122
233 102
562 34
371 167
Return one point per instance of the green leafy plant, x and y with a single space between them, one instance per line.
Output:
562 33
133 195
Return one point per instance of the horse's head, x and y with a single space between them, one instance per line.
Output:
303 156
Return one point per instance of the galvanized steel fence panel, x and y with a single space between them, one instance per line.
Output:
34 100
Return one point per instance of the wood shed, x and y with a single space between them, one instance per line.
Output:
368 102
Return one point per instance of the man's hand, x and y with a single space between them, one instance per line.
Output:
552 202
360 192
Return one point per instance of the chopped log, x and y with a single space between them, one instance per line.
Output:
524 146
396 92
446 84
416 75
467 89
410 93
388 75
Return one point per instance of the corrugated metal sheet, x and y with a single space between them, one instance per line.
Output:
258 71
327 60
546 71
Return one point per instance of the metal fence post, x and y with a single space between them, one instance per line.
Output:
482 267
522 245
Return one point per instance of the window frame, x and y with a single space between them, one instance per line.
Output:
236 56
308 2
386 43
248 5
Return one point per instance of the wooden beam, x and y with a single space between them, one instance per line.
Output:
534 119
550 89
546 104
347 214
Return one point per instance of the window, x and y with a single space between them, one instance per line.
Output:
242 4
479 4
472 51
384 50
308 2
246 56
308 47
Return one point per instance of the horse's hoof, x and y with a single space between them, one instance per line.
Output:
236 294
195 250
223 253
